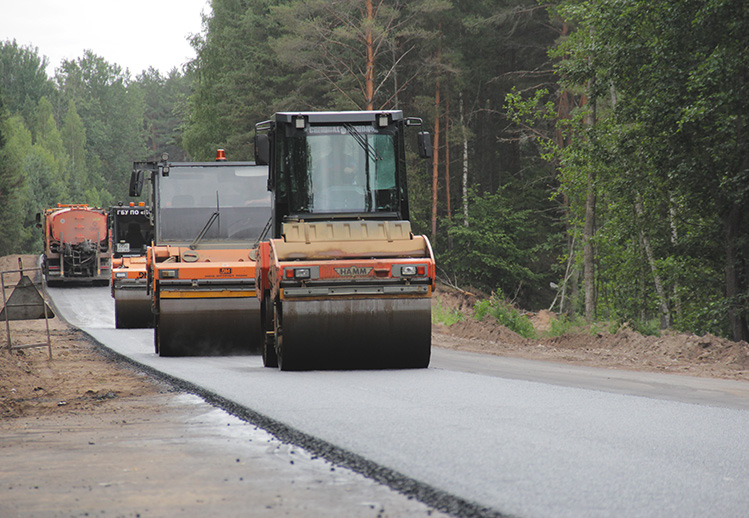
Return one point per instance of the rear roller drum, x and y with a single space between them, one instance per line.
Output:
354 334
132 310
209 326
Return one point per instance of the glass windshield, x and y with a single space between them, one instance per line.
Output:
341 169
133 231
190 195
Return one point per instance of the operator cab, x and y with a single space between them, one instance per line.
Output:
336 165
206 204
132 229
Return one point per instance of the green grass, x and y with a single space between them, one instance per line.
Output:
445 316
505 314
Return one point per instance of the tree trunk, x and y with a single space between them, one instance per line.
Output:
732 229
369 70
465 164
447 155
589 275
436 153
674 241
662 299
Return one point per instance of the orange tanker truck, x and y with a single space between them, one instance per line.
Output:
131 229
208 218
345 283
76 244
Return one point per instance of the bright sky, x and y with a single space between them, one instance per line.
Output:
134 34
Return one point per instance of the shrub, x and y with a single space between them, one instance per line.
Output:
505 314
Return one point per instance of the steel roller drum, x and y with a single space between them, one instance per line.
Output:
132 308
377 333
208 326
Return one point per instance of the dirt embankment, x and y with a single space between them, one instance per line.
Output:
706 356
77 379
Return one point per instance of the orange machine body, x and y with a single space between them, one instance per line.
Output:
76 244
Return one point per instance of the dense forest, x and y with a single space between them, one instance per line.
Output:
593 157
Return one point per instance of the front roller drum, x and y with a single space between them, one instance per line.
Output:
208 326
132 309
377 333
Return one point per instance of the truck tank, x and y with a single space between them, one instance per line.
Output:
76 245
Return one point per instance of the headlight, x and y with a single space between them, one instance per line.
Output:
120 275
408 270
168 274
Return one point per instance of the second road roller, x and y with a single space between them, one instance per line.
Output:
131 228
208 218
344 282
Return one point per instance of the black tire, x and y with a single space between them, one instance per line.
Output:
156 333
270 358
117 322
284 351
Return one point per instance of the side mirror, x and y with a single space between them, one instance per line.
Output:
38 220
262 149
425 145
136 183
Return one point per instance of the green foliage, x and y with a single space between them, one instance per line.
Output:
563 324
651 104
74 140
494 249
505 314
112 110
445 316
237 79
11 189
165 99
23 79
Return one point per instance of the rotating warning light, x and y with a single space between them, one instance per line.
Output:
220 155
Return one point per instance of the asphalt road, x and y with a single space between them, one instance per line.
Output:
484 435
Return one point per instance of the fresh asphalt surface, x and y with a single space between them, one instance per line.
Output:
502 437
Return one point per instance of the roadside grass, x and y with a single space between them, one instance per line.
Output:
565 325
505 314
445 316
